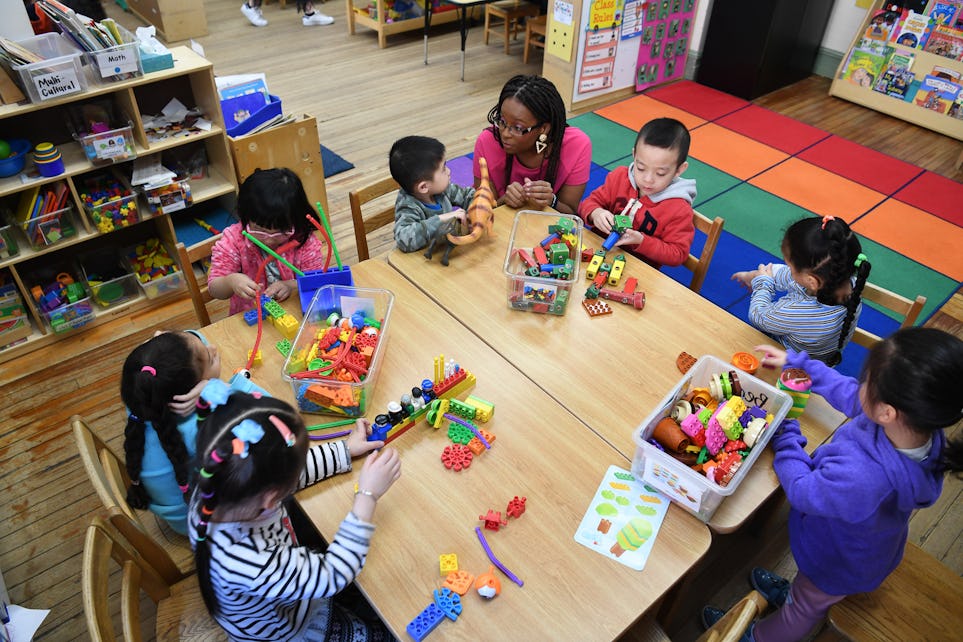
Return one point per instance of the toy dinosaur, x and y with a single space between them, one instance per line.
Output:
481 212
442 240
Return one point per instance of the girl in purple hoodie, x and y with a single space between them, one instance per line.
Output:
851 500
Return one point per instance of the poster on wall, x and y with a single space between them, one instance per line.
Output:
666 29
601 45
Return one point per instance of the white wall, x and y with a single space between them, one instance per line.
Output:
14 23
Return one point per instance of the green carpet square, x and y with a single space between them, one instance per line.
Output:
610 141
755 216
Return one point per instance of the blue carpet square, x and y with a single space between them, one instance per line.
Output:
332 163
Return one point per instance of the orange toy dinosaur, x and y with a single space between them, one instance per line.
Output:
481 214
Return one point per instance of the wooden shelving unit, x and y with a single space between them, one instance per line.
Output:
174 19
905 110
358 14
191 81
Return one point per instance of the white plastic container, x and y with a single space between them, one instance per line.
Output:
689 489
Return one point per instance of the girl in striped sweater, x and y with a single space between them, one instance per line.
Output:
257 582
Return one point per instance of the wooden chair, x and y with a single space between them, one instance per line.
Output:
509 12
733 624
108 474
200 295
921 600
181 614
700 264
383 216
534 27
910 311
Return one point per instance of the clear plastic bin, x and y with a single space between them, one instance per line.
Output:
156 277
117 63
71 316
169 198
531 291
8 242
110 283
689 489
110 202
60 74
49 229
331 396
112 146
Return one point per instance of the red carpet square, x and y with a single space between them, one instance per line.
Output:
937 195
783 133
868 167
732 153
697 99
638 110
819 191
915 234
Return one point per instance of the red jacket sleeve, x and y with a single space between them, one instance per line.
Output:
612 195
674 235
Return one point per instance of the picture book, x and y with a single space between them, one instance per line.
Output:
895 82
864 67
881 25
900 60
937 94
944 13
914 31
946 73
946 42
623 519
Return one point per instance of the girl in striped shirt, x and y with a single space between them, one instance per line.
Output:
822 279
257 582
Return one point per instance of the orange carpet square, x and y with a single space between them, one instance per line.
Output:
638 110
916 234
819 191
732 153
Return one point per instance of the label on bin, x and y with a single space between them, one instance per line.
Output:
112 63
53 85
666 480
110 146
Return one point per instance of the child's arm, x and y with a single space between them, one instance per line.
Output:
460 196
670 245
414 228
226 277
839 391
596 209
778 318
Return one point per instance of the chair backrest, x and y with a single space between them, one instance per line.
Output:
375 220
909 310
111 487
700 264
734 623
200 295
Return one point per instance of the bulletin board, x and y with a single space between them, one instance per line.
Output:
666 30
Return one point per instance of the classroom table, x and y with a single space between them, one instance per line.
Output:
541 452
462 7
609 371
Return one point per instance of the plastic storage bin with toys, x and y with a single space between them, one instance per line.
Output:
542 262
153 265
706 434
62 298
336 357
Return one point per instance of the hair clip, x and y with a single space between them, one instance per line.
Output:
859 259
826 219
247 432
215 393
149 369
283 429
133 417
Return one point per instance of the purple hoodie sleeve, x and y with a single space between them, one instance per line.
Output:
839 391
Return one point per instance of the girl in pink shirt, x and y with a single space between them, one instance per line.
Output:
535 159
272 207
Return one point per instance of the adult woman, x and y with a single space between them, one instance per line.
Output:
535 159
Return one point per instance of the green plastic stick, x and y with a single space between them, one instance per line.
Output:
332 424
327 228
272 253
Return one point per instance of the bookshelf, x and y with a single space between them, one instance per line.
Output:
175 19
906 110
373 14
191 81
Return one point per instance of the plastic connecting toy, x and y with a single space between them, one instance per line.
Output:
447 563
553 258
447 603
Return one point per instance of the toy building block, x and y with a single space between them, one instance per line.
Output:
630 285
250 317
447 563
526 258
477 446
456 457
425 623
635 299
596 308
288 326
540 256
493 520
462 409
586 254
448 602
516 506
258 360
611 240
595 264
558 252
550 239
454 386
284 347
602 275
618 265
621 222
483 409
563 226
459 434
459 581
487 584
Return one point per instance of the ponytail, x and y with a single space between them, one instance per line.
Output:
863 267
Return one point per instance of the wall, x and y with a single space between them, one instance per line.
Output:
14 23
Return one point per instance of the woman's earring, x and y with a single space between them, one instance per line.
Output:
541 143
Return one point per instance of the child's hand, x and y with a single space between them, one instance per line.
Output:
772 357
380 470
243 286
280 290
538 193
630 237
515 195
183 405
602 220
358 442
765 269
459 214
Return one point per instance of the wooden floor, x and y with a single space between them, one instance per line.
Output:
364 98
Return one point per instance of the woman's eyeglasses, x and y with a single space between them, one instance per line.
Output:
266 236
515 129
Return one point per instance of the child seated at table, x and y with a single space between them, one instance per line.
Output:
428 202
662 227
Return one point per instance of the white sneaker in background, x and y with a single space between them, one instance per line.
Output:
316 18
253 14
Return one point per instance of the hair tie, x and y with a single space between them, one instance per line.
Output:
205 474
216 456
184 487
826 219
283 429
859 259
133 417
206 511
149 369
208 495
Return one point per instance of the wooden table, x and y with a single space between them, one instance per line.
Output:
541 452
609 371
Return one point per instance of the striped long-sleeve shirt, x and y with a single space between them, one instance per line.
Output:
267 586
797 319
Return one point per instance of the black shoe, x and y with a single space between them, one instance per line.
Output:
774 588
711 615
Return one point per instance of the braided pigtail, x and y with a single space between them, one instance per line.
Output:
133 454
206 501
852 304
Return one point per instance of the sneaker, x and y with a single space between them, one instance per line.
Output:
253 14
316 18
773 587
